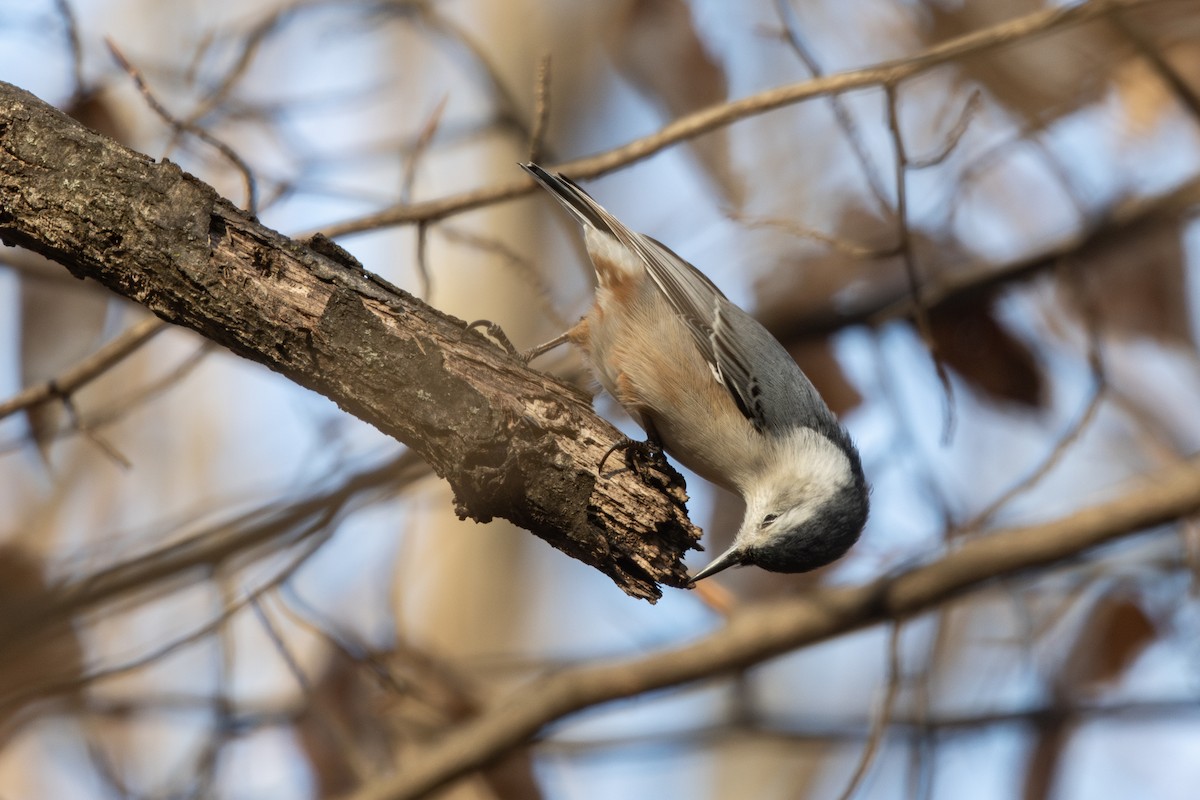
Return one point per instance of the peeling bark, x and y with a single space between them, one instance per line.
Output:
512 442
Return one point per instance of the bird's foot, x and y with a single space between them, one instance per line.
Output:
638 455
496 335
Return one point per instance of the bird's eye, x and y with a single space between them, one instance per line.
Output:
767 520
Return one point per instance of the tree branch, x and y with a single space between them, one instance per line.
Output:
690 126
512 442
758 633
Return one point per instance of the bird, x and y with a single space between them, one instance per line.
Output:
715 390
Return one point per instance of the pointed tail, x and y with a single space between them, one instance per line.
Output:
583 208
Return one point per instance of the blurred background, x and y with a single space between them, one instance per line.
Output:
214 583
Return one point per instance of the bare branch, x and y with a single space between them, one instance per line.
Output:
690 126
541 110
512 442
180 126
909 257
791 33
87 370
757 633
883 714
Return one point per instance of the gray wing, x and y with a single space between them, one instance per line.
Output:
708 315
764 381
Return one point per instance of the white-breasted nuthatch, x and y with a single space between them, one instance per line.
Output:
713 388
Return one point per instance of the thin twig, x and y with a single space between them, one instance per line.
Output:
121 408
94 436
201 781
541 109
1073 275
760 632
422 261
909 257
882 716
1021 29
420 146
519 263
241 65
969 109
71 30
791 33
1071 435
307 549
852 249
1147 49
181 126
85 371
335 726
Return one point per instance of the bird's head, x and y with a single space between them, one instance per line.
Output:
804 509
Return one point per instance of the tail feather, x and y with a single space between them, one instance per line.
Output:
583 208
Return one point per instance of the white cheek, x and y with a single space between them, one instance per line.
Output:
804 467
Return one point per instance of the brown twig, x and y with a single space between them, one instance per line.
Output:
1187 96
791 33
909 258
1020 29
84 372
422 261
969 109
507 105
882 716
420 146
521 265
180 126
343 737
541 110
307 548
1096 397
122 407
761 632
71 30
94 436
845 246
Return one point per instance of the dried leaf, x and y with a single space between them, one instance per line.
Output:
815 357
974 344
61 322
1115 633
357 724
1135 282
96 110
1041 79
47 663
655 44
1145 90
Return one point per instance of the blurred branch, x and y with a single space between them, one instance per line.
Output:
966 284
121 407
757 633
512 442
1188 98
690 126
908 257
71 32
86 370
792 35
883 715
180 126
257 533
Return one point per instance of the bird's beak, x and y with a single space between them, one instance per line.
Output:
730 558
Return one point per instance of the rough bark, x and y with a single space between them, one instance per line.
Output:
512 442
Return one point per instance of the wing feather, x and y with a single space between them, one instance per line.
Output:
709 316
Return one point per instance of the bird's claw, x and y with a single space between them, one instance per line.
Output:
496 334
647 453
